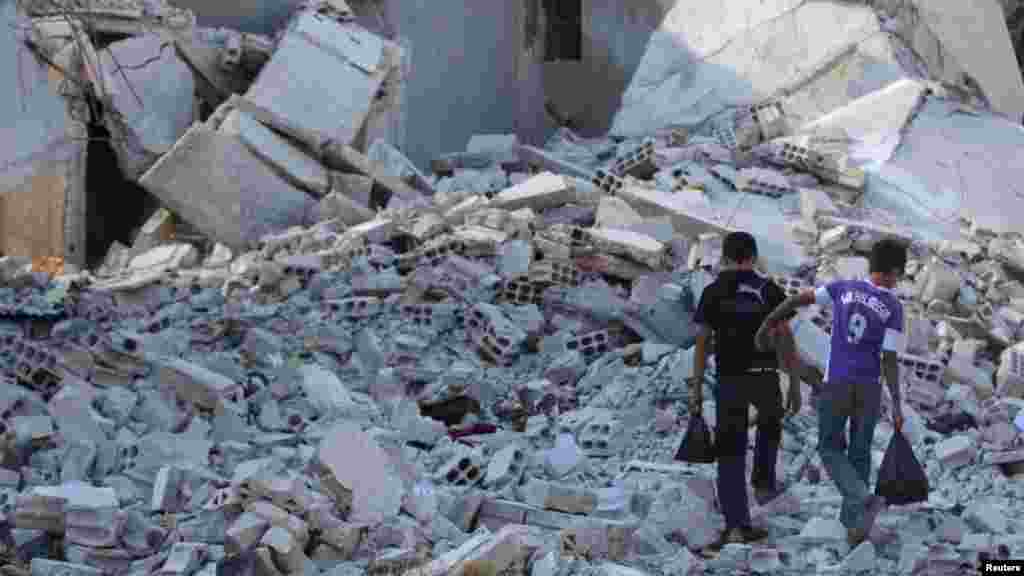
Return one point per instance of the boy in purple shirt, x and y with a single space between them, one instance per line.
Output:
867 337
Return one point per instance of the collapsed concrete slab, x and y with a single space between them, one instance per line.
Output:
147 91
212 181
324 76
699 63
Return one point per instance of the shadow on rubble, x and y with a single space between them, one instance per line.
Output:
115 207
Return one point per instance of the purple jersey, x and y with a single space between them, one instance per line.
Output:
866 319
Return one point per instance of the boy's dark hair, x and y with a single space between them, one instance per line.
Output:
739 247
888 256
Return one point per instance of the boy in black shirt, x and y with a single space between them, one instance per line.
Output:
732 309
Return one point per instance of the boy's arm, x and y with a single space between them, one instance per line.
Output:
893 345
763 337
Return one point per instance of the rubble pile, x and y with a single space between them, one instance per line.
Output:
360 368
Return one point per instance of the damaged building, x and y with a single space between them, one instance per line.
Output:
376 287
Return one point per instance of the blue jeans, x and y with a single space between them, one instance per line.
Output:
734 396
849 464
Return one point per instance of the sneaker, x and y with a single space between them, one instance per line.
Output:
764 495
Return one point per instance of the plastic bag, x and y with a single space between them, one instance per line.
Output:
697 446
901 478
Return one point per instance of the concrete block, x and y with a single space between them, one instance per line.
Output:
355 308
815 202
559 497
505 468
962 370
921 368
167 489
515 258
461 470
543 191
1010 376
764 182
604 437
214 183
956 451
376 490
184 559
937 282
638 247
94 527
614 212
205 388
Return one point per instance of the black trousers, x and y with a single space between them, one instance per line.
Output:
735 395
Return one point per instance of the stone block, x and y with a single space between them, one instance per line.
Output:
245 533
94 527
956 451
1010 376
44 567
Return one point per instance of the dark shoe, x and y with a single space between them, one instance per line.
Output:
854 536
744 535
763 495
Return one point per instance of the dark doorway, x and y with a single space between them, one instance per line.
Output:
564 38
114 207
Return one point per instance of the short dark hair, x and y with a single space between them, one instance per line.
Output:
888 256
739 247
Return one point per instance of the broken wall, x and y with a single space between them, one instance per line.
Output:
615 35
43 160
471 72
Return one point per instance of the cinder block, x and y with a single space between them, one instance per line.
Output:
764 182
921 368
633 245
355 308
167 489
608 182
505 468
604 437
462 470
543 191
553 271
1010 376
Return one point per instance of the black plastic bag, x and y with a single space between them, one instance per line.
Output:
697 446
901 479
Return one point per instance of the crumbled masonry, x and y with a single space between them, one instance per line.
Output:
317 358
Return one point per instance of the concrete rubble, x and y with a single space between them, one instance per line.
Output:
363 367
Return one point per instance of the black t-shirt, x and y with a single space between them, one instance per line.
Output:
734 306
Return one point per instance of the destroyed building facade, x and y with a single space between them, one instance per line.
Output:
498 330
